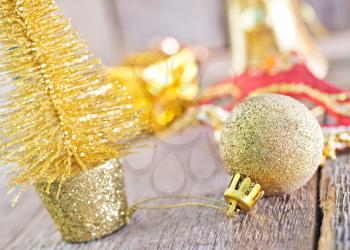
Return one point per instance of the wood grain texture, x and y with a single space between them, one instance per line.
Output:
335 203
334 180
177 165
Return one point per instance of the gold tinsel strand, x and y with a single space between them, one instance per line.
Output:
60 116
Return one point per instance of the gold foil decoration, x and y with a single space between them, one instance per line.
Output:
264 29
336 139
164 85
90 205
211 115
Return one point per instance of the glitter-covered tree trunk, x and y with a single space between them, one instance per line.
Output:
60 118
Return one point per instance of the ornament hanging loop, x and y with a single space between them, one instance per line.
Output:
188 201
242 194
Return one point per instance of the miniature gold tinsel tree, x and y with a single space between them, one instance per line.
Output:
60 115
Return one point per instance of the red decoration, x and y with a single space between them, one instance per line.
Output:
297 82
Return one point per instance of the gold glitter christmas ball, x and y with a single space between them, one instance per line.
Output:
273 139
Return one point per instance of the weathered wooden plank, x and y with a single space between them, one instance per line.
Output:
334 180
335 204
12 220
185 163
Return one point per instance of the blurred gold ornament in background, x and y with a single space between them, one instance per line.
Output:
263 29
336 140
165 83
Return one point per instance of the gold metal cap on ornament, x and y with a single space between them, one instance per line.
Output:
263 29
242 194
88 206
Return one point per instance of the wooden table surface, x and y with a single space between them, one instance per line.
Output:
315 217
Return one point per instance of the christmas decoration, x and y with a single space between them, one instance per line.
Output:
269 143
273 139
90 205
164 85
289 76
65 124
262 29
336 140
242 194
61 118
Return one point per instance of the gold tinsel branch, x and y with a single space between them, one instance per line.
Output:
60 116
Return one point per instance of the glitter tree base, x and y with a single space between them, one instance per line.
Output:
90 205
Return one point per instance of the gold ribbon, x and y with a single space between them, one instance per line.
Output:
165 86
